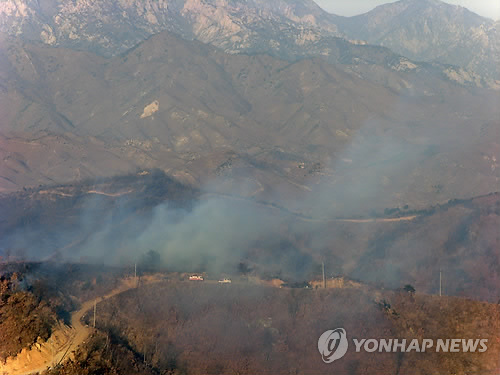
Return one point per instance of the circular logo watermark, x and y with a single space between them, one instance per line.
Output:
333 345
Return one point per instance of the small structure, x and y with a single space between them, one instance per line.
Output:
196 278
335 283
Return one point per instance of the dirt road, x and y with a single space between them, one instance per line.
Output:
379 220
309 219
64 340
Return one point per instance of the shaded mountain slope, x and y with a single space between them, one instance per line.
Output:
130 215
186 107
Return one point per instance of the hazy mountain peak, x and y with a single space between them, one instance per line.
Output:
431 30
420 8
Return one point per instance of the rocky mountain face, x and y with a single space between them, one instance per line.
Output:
431 30
112 27
287 29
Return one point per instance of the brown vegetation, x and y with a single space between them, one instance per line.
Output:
24 317
244 329
34 297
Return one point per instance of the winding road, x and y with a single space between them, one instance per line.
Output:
64 340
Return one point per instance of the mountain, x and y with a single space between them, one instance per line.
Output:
112 27
277 126
88 81
286 29
431 30
249 140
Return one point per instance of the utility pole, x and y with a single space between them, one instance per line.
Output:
95 308
156 348
135 275
440 283
324 279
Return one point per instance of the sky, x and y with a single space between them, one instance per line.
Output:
485 8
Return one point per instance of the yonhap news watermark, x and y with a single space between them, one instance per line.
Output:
333 345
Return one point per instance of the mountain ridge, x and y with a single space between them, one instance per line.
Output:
198 113
291 29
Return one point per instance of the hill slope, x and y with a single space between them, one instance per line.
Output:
251 329
206 113
129 215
